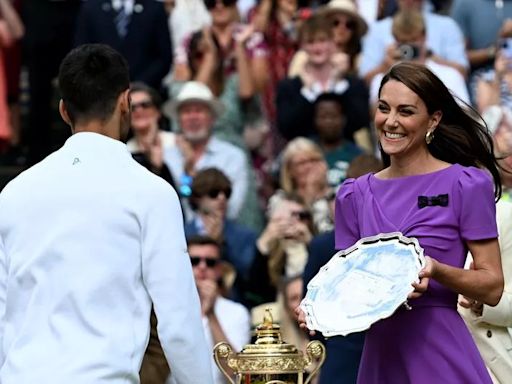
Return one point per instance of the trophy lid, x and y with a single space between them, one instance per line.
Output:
268 339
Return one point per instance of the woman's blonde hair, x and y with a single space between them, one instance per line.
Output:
294 147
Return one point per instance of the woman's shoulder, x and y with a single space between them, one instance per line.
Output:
472 178
354 185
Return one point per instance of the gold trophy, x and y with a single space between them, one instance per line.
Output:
269 360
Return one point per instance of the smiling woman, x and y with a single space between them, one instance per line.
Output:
439 160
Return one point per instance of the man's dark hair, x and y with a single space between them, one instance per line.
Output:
207 180
91 78
202 240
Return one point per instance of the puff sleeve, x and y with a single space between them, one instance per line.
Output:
345 216
477 209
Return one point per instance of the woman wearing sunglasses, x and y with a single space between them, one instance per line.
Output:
149 141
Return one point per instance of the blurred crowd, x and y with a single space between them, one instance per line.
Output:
254 111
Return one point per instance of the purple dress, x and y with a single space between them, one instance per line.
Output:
429 344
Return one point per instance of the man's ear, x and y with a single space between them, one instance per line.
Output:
64 113
124 101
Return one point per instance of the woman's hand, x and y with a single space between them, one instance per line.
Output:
301 318
425 274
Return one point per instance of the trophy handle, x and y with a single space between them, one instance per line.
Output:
221 351
315 350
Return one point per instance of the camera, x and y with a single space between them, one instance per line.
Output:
506 47
408 52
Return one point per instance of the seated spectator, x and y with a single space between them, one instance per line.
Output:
278 21
321 73
303 172
281 249
494 86
348 30
443 37
482 22
195 110
409 32
234 89
149 141
223 319
330 121
211 190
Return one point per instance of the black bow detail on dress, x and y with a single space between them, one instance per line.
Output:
430 201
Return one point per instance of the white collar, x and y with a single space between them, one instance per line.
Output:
127 4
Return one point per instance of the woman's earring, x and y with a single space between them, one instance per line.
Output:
429 136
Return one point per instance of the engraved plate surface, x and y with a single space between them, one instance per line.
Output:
363 284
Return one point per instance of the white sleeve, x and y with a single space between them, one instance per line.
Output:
3 296
501 314
168 277
240 335
239 176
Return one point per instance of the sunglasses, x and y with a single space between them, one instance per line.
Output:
210 4
302 215
349 24
210 262
142 104
214 193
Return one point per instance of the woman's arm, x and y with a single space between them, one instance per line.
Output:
484 283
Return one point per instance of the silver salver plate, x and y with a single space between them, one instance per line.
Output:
363 284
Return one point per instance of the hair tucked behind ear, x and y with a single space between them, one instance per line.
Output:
461 136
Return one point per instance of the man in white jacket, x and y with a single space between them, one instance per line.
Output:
89 240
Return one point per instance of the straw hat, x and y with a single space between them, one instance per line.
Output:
349 8
193 91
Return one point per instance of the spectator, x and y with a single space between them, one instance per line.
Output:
409 32
303 172
321 73
330 123
443 37
482 22
234 89
348 30
195 109
137 29
211 190
149 141
281 249
279 23
223 319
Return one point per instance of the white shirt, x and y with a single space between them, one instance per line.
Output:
235 321
88 240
